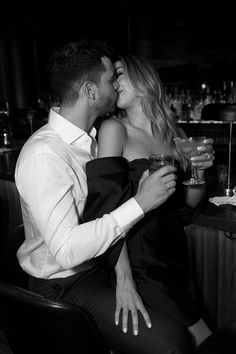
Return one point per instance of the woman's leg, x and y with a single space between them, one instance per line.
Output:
157 296
97 297
93 292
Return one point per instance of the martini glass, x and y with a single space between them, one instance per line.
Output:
188 147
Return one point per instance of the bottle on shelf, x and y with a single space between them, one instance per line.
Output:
5 126
232 93
187 104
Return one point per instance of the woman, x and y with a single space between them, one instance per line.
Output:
152 268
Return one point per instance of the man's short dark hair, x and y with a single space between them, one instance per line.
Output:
73 64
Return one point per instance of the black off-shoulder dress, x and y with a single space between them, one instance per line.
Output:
157 244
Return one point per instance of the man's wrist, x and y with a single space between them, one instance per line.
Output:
128 214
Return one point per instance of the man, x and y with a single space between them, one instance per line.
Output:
59 252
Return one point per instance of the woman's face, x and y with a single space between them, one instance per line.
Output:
126 95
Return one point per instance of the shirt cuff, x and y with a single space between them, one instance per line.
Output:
128 214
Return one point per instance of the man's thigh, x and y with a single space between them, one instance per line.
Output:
99 299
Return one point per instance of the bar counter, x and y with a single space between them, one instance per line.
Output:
211 240
212 234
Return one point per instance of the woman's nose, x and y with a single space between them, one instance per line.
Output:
116 85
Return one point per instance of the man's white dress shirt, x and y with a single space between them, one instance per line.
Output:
51 180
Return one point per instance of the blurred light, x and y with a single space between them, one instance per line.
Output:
203 86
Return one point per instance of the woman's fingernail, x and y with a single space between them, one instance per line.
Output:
149 325
135 332
125 330
116 322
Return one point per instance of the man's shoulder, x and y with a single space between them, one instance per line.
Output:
44 140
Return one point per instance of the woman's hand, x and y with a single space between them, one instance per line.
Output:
206 155
128 300
200 162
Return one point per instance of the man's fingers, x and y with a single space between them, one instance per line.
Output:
170 177
165 170
169 181
144 176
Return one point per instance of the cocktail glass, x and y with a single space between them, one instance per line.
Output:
188 147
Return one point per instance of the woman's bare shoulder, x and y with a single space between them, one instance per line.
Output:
113 123
111 137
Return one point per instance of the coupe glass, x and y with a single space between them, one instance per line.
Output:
188 147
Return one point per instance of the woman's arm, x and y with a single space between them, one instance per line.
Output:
127 297
111 142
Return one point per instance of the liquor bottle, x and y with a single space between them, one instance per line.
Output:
5 126
232 93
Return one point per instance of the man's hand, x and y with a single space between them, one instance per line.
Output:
154 189
128 300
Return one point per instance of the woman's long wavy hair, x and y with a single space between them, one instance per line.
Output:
142 76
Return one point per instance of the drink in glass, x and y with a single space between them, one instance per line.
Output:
189 148
157 161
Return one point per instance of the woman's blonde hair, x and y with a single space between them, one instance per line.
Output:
142 76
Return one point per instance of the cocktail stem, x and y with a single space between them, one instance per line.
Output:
193 172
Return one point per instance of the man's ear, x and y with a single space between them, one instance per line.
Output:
89 89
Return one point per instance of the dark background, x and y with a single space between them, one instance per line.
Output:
190 41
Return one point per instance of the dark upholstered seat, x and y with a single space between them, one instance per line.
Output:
34 324
10 270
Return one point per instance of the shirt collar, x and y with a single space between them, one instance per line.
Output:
68 131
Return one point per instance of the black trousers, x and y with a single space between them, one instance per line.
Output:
92 291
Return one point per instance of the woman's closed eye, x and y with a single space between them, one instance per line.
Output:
119 72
